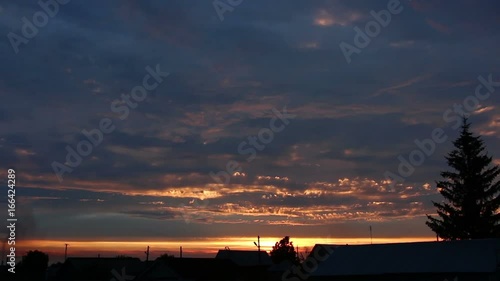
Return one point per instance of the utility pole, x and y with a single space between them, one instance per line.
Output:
258 240
65 251
147 254
258 246
180 250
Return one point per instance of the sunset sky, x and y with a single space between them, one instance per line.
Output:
320 178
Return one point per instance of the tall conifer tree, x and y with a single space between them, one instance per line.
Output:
471 192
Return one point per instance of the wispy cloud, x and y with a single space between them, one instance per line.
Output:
404 84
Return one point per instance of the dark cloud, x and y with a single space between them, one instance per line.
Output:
352 120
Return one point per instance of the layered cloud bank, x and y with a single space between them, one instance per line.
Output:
323 172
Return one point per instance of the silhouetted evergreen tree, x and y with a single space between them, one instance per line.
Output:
284 250
471 191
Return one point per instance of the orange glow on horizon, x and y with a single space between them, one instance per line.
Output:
192 247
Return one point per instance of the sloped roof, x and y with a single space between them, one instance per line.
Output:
190 268
81 268
471 256
245 258
281 267
82 263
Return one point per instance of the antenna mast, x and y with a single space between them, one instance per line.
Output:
371 235
65 251
258 246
